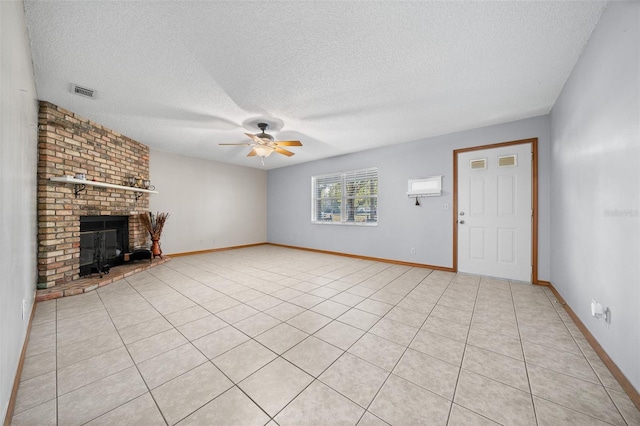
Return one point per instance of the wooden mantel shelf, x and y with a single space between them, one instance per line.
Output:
82 183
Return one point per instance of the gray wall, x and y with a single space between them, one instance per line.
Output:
18 160
596 184
402 225
210 204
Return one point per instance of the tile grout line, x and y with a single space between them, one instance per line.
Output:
586 359
366 409
464 353
234 384
132 360
223 373
208 360
329 366
136 364
408 345
272 418
524 356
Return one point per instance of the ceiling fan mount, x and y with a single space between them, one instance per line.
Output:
263 135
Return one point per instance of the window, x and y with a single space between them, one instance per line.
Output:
346 198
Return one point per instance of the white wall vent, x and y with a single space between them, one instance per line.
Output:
480 163
508 161
83 91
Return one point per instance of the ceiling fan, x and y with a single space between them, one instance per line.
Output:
263 144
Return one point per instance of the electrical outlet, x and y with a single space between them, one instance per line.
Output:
445 206
413 250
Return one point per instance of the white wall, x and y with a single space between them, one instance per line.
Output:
18 162
596 185
211 205
402 225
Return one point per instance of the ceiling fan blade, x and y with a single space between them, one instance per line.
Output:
255 138
288 143
236 144
253 153
283 151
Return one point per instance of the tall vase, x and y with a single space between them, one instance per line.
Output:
155 248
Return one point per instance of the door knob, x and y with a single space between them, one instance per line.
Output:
462 222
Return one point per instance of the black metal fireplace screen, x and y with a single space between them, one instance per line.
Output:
103 242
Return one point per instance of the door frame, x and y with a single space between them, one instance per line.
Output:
534 200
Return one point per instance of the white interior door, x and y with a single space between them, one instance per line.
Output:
495 212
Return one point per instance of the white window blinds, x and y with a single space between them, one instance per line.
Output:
346 198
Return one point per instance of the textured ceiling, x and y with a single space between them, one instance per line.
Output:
339 76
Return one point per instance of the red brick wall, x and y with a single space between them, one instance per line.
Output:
69 144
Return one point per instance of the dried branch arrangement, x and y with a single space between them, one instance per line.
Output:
154 223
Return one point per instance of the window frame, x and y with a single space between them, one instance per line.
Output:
343 200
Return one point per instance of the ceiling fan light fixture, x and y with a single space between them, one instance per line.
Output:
263 150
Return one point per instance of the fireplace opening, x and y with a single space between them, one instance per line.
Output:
104 240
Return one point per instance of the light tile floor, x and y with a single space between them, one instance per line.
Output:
268 335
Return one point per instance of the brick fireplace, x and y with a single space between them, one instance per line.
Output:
67 145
